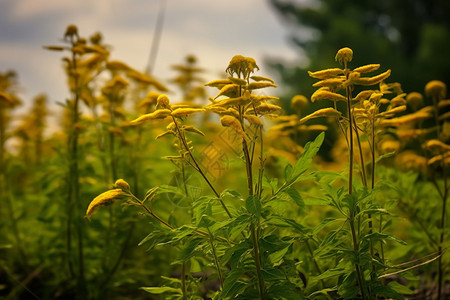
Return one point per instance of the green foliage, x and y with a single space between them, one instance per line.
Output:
205 231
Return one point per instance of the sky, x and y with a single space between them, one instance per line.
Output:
214 31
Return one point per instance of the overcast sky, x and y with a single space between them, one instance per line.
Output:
214 31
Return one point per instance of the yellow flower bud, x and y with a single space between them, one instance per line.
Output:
122 184
71 30
344 55
436 88
232 122
298 103
163 101
414 100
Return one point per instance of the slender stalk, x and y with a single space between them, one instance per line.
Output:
75 206
216 260
150 212
253 227
350 129
197 167
254 235
359 274
183 279
316 264
442 235
361 155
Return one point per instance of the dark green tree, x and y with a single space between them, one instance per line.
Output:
411 37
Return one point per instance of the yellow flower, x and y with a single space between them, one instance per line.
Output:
436 88
241 65
104 199
252 119
157 114
122 184
328 73
389 146
71 30
181 112
414 100
262 78
367 68
344 55
371 80
163 101
232 122
436 146
324 112
321 94
332 83
260 85
299 102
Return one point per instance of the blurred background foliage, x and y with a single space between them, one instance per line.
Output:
410 37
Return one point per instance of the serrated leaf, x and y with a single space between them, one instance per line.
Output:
190 249
386 291
286 222
253 205
276 256
231 193
330 273
272 274
295 195
399 288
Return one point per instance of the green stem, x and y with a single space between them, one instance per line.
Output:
75 206
350 128
254 235
316 264
442 235
359 274
216 260
183 280
253 228
197 167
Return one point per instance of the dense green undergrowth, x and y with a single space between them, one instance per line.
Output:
225 203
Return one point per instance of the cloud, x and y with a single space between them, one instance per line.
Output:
214 31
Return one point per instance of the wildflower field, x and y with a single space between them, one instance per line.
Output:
224 191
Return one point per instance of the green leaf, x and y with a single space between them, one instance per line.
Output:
285 291
276 256
253 205
231 193
272 274
376 236
386 155
295 195
399 288
305 159
232 285
286 222
386 291
190 249
161 290
330 273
